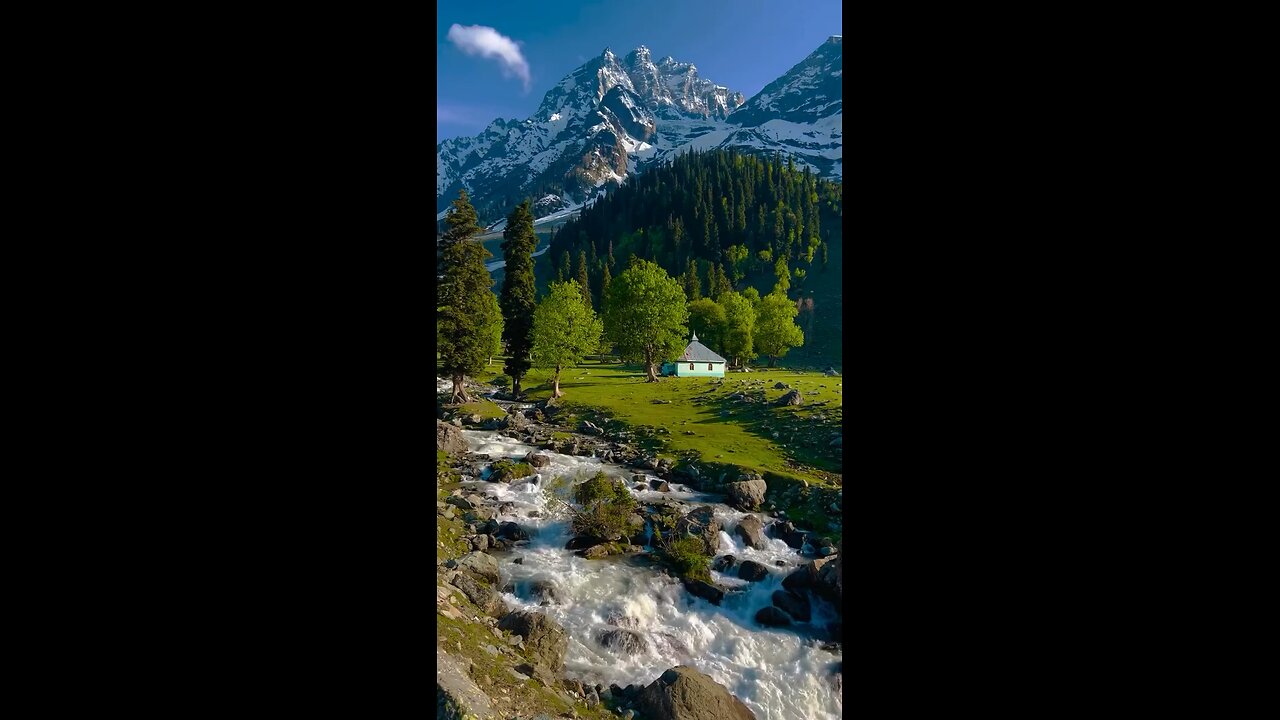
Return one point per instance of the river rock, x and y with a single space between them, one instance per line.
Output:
449 439
481 565
724 563
752 571
537 460
747 493
628 641
683 693
511 531
544 640
772 617
459 501
662 486
595 552
582 542
480 543
489 602
795 605
638 478
787 532
590 427
704 590
546 592
515 420
480 515
702 523
751 530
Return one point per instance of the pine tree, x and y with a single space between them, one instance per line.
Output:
692 289
468 319
518 298
722 282
461 224
566 271
584 285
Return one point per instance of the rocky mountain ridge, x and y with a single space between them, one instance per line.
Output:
611 117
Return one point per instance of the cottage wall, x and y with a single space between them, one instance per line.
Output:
700 369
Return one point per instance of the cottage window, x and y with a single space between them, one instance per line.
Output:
690 366
709 366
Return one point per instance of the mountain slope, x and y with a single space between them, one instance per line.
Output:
613 117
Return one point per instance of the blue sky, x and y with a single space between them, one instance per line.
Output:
742 44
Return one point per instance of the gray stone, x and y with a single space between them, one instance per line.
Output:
795 605
449 439
481 565
748 493
545 641
683 693
701 522
772 617
704 590
752 571
628 641
751 530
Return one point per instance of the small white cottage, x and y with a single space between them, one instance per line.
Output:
697 361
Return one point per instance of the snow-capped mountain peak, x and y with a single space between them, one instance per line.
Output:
611 116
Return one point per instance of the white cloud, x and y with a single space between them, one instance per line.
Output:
488 43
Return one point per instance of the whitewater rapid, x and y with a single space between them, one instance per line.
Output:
779 674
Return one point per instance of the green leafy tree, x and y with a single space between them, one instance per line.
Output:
735 254
564 331
784 276
776 331
707 319
645 315
468 319
739 328
752 295
519 298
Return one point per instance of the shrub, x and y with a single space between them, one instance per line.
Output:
606 505
502 381
688 557
505 470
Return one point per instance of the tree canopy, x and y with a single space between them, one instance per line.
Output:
645 315
776 331
565 330
738 336
468 319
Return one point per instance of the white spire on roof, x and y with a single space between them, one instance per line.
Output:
695 336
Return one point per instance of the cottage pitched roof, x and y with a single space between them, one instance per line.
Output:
697 352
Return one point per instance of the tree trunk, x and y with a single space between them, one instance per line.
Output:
652 376
555 385
460 390
515 387
773 361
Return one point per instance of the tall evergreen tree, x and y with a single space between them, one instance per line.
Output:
566 271
468 319
461 224
722 282
584 284
518 298
692 289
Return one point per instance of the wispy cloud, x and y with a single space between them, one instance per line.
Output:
489 43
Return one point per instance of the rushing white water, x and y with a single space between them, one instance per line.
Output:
778 673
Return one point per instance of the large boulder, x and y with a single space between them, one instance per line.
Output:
787 532
628 641
683 693
449 439
544 640
751 530
724 563
479 592
795 605
701 522
752 571
772 617
747 493
481 565
544 592
704 590
511 531
537 460
515 420
791 398
805 577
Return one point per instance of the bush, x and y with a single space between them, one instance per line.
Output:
688 557
502 381
606 505
506 470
